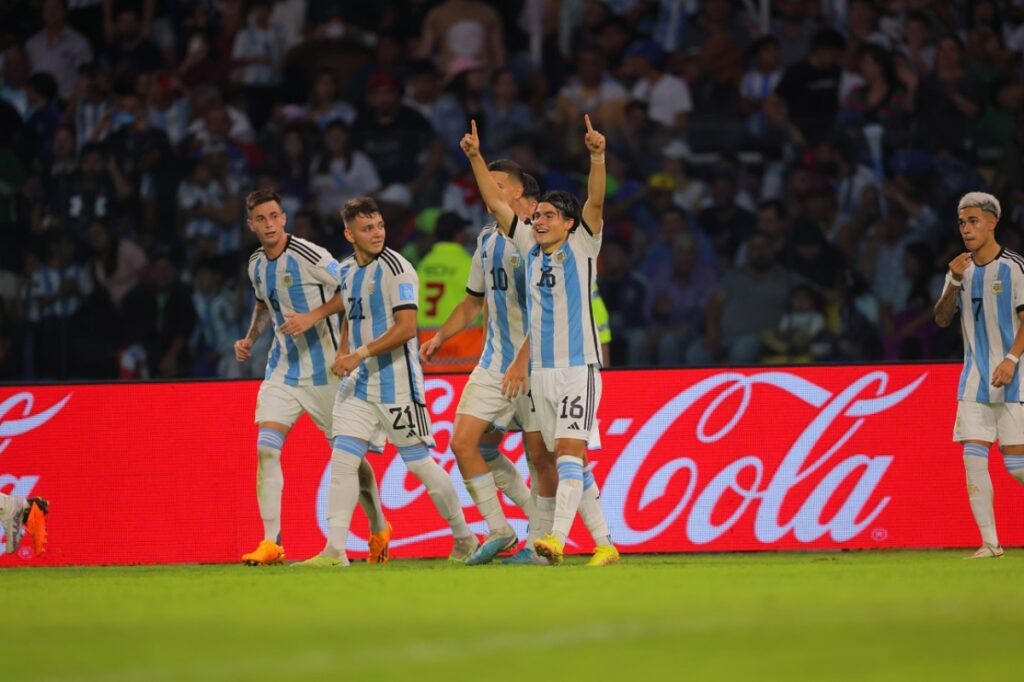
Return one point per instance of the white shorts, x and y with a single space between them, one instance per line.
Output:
989 422
277 402
403 424
482 398
566 400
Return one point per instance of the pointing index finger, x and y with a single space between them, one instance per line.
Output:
586 119
472 126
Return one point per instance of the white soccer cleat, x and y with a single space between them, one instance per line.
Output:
987 551
463 548
13 520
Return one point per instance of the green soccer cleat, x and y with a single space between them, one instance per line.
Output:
550 548
493 545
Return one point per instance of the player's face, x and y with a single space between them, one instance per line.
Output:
550 228
267 220
510 189
366 234
977 228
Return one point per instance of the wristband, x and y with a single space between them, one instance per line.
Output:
597 158
363 352
1013 358
952 279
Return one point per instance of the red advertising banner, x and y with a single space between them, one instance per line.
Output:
692 460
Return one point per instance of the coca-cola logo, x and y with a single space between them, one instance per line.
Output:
819 465
10 427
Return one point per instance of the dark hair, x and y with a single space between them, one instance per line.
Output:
513 169
773 205
359 206
531 188
762 44
674 209
567 205
828 39
261 196
884 59
43 83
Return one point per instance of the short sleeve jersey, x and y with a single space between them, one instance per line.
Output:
498 274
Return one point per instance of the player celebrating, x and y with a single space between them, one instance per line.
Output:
290 276
18 514
986 285
565 354
379 289
497 389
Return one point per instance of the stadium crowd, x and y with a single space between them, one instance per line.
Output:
781 179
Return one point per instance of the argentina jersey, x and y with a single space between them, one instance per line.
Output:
562 328
302 278
372 293
499 274
990 299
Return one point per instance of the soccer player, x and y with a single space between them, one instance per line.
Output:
497 389
565 355
18 514
986 286
296 285
379 291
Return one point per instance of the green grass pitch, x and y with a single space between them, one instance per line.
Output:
785 616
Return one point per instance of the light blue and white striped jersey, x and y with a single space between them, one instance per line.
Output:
372 293
499 274
989 301
562 328
302 278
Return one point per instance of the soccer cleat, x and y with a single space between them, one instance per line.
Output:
12 523
987 551
322 561
525 557
267 553
493 545
379 549
551 548
604 555
462 549
35 523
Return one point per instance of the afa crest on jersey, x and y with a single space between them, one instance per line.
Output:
287 279
997 287
515 261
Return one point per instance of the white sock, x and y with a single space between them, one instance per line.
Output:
369 498
979 492
10 506
342 495
1015 465
506 476
591 512
484 493
270 482
542 519
439 486
568 495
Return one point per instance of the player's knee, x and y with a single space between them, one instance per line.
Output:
975 450
462 444
269 443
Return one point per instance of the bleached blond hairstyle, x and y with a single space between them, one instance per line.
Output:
983 200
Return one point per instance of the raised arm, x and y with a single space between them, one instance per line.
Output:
945 307
593 210
492 196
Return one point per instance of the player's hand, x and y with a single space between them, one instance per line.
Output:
959 264
345 364
513 384
243 350
594 140
428 349
470 142
297 323
1003 373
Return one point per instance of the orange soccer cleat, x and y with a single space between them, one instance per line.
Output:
266 554
379 547
35 523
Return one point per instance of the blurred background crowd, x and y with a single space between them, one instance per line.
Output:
783 174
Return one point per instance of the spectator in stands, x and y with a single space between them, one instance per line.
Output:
759 82
667 97
815 259
917 47
880 99
591 91
748 301
801 335
809 91
89 105
400 143
58 49
168 107
45 116
324 106
14 89
216 326
793 29
115 264
771 222
208 212
724 221
907 319
130 52
95 193
340 173
624 292
461 102
258 57
463 28
505 116
947 101
673 223
292 171
158 315
674 308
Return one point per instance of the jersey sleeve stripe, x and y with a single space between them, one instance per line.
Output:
586 227
393 263
512 227
256 254
308 254
404 306
478 294
330 327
